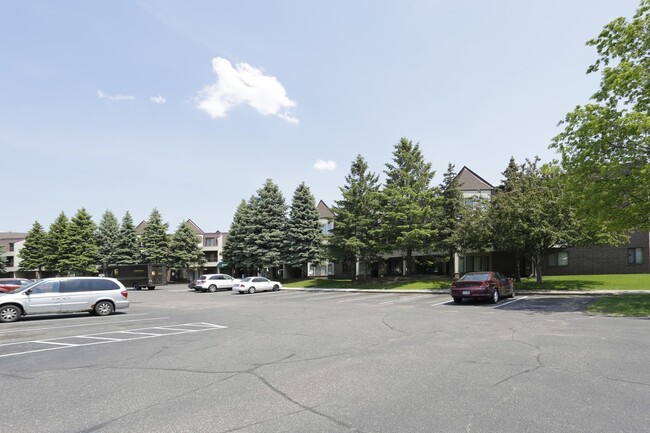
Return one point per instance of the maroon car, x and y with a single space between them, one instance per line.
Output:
8 284
482 285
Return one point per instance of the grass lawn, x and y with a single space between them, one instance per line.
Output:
422 282
631 305
588 282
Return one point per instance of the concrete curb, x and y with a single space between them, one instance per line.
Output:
446 291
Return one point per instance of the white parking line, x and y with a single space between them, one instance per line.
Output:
137 334
510 302
103 322
367 297
443 303
407 298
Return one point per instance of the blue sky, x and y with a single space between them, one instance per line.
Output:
189 106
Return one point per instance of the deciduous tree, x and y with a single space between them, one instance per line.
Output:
605 144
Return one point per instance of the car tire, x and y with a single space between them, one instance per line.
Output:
251 290
151 287
458 300
212 288
136 286
103 308
10 313
276 288
495 296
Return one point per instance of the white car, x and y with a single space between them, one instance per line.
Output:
214 282
256 284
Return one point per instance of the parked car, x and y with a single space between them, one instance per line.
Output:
9 284
256 284
97 295
213 282
482 285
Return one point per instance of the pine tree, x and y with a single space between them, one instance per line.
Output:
33 254
128 247
303 235
56 239
80 246
451 208
234 246
185 252
355 218
108 234
155 240
267 224
3 260
410 206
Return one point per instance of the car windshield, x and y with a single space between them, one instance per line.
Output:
475 277
23 287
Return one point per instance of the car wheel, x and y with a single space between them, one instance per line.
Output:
136 286
251 290
212 288
10 313
151 287
276 288
458 300
495 296
104 308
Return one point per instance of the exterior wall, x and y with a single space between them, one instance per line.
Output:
602 259
12 243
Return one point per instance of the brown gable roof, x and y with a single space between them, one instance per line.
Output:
470 181
324 211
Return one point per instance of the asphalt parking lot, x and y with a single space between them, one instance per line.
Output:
296 361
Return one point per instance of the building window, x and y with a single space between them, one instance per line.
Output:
634 256
561 258
11 246
210 242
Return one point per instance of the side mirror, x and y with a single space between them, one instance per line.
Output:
27 292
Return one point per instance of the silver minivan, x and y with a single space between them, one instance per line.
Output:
97 295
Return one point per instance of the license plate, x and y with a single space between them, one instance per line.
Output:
466 292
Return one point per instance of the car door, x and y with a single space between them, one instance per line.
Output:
261 284
504 284
75 294
44 297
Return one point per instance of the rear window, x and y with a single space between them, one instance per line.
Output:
475 277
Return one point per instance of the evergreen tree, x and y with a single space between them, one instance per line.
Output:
234 248
267 224
410 206
108 234
185 252
353 237
155 241
452 204
56 240
304 235
3 260
128 246
80 245
33 254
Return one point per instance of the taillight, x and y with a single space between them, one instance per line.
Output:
125 293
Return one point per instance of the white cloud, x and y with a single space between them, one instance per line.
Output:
244 84
158 99
325 165
103 95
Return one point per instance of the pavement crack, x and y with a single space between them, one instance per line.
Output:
392 328
304 407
